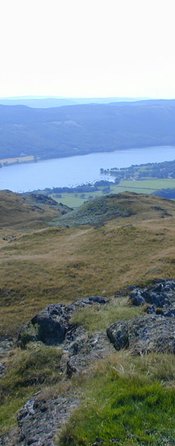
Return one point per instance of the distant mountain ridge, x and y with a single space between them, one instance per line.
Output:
85 128
48 102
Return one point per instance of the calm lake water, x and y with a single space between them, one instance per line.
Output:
76 170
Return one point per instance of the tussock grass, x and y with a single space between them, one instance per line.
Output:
97 318
124 402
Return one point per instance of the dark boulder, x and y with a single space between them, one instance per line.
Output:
52 325
49 326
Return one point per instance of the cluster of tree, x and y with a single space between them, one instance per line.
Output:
161 170
83 188
85 128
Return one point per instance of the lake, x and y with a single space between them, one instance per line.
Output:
76 170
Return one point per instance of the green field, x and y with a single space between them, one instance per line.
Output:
75 200
144 186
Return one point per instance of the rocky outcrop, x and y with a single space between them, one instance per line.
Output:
161 294
43 417
143 335
52 325
153 333
40 419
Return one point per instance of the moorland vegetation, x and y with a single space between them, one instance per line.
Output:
104 248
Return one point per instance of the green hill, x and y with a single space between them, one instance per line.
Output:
115 206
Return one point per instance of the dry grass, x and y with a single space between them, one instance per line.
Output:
24 211
60 265
41 266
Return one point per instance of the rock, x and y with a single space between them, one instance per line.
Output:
90 349
169 313
49 326
52 325
10 438
160 294
118 335
2 369
151 309
136 297
97 300
71 369
39 420
144 334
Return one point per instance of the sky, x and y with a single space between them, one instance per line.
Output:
87 48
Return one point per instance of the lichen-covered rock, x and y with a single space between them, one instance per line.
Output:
52 324
160 294
118 335
144 334
49 326
39 420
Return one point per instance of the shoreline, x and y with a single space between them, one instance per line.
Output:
6 162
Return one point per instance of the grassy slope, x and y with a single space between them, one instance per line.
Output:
60 264
126 401
102 209
21 211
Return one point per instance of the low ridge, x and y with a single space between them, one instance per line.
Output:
126 204
27 210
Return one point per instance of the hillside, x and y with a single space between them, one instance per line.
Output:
85 128
115 206
87 323
21 211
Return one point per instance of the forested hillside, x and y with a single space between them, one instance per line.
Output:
81 129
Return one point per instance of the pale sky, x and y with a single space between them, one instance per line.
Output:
87 48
